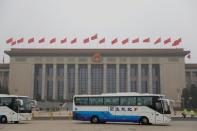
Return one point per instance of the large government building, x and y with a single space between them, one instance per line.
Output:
58 74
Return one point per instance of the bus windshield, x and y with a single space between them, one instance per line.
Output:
27 105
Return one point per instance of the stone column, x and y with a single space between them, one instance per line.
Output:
54 81
104 78
31 91
150 76
43 81
128 78
139 78
117 78
65 82
89 78
76 79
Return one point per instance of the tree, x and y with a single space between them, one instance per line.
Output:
189 96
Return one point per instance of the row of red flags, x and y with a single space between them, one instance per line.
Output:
176 42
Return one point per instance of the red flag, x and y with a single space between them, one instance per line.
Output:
125 41
42 40
64 40
147 40
9 40
94 37
114 41
86 40
74 41
167 41
53 40
177 42
31 40
13 43
157 41
102 41
136 40
21 40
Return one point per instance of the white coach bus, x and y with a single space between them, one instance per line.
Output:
15 108
122 107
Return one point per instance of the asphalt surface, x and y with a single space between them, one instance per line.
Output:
70 118
70 125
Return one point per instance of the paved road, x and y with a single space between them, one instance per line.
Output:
70 125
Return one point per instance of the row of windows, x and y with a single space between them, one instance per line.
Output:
133 69
97 79
115 101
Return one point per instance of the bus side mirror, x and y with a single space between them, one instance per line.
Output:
20 102
33 103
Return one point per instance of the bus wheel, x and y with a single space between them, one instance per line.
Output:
3 119
144 121
94 120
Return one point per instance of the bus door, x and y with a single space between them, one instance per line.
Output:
159 116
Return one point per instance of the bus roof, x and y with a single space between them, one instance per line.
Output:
7 95
120 94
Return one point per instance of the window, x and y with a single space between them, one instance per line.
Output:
71 80
49 89
155 70
60 70
134 70
145 101
83 78
37 81
97 78
127 101
111 101
81 101
158 107
111 78
144 88
6 101
144 71
49 70
96 101
60 89
123 78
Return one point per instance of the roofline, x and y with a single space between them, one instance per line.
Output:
190 66
4 66
89 52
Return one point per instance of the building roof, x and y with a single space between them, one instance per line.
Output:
90 52
4 66
190 66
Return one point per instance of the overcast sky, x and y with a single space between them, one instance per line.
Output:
108 18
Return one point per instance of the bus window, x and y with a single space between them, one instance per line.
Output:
95 101
166 107
158 107
111 101
145 101
5 101
81 101
127 101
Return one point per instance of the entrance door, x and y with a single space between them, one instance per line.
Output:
159 116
